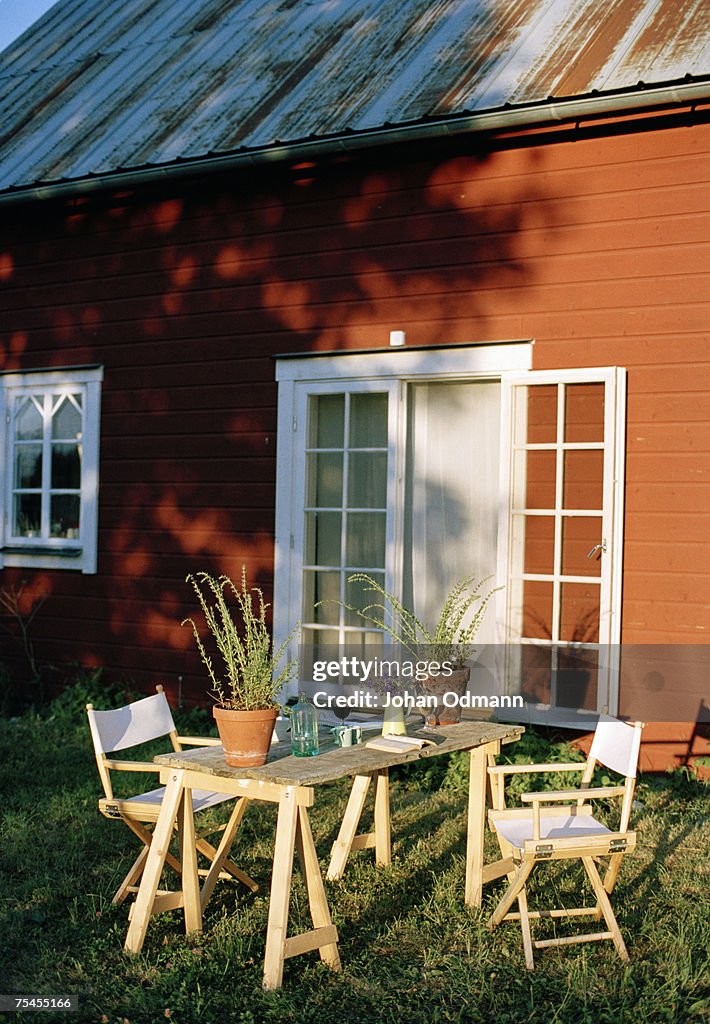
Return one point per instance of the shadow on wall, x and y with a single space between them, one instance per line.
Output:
185 298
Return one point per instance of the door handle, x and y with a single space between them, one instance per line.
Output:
597 549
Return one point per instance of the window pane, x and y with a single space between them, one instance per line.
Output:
327 419
325 480
323 531
584 412
579 616
579 536
64 515
537 610
321 587
66 466
28 421
367 480
317 645
66 421
539 426
357 596
584 479
27 515
368 421
577 678
365 540
364 645
540 476
539 544
28 465
535 673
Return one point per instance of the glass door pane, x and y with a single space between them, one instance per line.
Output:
348 462
563 533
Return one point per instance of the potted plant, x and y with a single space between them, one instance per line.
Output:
249 673
449 643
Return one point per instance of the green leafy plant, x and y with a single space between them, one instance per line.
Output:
450 640
249 673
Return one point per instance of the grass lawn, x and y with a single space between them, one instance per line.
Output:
411 951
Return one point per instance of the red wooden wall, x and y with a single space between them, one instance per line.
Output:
594 242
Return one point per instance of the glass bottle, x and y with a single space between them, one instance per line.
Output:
393 723
304 727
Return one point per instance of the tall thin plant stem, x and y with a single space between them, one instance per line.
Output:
248 674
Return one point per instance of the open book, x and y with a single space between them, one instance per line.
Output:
398 744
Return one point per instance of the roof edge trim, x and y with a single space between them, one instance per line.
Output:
545 113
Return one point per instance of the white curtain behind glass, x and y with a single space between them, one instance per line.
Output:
451 517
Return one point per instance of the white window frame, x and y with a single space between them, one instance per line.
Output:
299 376
510 545
392 544
80 553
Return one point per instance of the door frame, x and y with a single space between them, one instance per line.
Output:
614 447
508 362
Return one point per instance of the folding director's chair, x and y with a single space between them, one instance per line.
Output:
132 725
566 830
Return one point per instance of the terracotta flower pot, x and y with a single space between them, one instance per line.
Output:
437 686
245 735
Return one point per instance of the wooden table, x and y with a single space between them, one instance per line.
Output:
289 782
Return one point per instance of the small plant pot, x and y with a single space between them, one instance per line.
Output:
245 735
448 709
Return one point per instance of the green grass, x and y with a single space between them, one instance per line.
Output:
411 951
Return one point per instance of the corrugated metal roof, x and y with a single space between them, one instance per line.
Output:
100 86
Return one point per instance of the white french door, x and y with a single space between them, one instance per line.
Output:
560 539
422 467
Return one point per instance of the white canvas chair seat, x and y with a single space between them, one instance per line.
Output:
560 825
518 831
140 722
201 799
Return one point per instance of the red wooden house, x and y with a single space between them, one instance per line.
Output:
417 288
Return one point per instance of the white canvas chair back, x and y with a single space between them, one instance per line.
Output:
616 745
144 720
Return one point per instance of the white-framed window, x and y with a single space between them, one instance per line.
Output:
423 466
49 438
348 525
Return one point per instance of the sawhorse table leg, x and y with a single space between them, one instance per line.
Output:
379 838
293 831
176 806
476 821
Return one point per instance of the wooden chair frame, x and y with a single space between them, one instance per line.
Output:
589 843
138 814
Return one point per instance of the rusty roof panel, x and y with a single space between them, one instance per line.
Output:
582 47
673 32
98 86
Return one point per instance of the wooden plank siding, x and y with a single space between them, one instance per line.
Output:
594 245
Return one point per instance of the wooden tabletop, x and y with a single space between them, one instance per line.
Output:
283 769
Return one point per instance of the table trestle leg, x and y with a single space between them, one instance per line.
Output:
277 926
143 907
383 838
293 831
190 877
380 838
476 822
325 933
